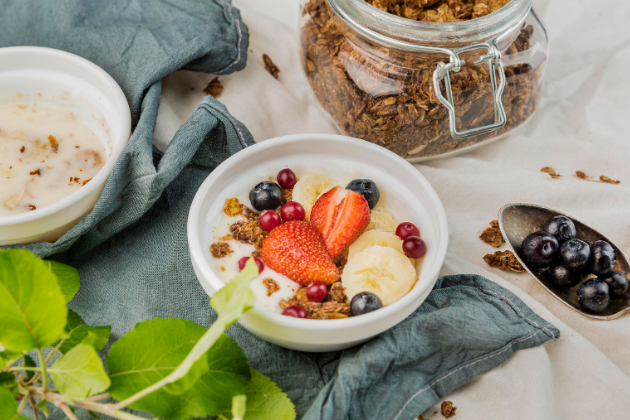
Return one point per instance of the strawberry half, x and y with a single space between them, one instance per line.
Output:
340 215
297 250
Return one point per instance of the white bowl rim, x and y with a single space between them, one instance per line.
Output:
120 103
194 239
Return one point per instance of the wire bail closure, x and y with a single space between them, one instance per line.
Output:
442 72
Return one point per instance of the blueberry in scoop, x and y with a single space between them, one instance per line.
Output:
575 254
563 277
540 249
367 188
266 196
617 282
364 303
594 295
603 258
561 227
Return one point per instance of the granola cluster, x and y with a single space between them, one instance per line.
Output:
386 96
334 306
504 260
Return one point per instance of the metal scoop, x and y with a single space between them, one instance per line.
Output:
518 220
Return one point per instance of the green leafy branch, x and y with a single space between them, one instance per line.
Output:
171 368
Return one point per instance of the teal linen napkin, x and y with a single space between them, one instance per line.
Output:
132 250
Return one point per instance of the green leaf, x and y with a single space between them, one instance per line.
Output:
154 349
32 307
43 407
78 332
8 406
29 362
236 297
8 357
265 401
93 415
8 381
79 373
67 277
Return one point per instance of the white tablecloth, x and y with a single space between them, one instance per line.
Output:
580 125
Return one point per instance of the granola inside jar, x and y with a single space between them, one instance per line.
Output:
372 65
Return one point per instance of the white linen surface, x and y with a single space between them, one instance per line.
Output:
580 125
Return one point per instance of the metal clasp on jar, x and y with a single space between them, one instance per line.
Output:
493 58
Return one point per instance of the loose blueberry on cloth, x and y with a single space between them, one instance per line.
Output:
132 251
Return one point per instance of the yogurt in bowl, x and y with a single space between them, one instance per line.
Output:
406 194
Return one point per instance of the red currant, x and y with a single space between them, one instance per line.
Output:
287 179
406 229
269 219
414 247
316 291
243 262
295 311
292 211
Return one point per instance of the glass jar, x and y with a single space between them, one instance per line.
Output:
422 89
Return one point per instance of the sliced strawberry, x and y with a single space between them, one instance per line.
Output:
297 250
340 215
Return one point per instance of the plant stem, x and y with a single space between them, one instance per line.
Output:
98 397
48 359
33 405
88 405
23 403
67 411
20 368
42 362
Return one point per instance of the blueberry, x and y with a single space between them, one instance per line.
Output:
266 196
367 189
363 303
603 258
540 249
561 227
594 295
575 254
563 277
617 282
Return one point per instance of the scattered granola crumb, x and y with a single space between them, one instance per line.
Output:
504 260
86 181
23 149
492 235
31 207
227 237
36 172
341 262
552 173
420 417
248 232
257 254
448 409
54 144
270 66
329 309
581 175
337 292
604 178
232 207
214 88
271 285
287 195
220 249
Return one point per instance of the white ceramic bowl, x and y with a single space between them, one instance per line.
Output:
405 191
31 70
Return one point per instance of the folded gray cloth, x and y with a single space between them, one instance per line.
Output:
132 251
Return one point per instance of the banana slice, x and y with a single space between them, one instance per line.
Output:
381 220
375 237
308 189
380 270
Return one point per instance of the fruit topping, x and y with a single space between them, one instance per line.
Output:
594 295
407 229
364 303
603 258
287 178
297 250
292 211
316 291
561 227
382 221
375 237
382 271
617 282
269 219
367 189
540 249
243 262
575 254
295 311
266 196
308 189
414 247
340 215
563 277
